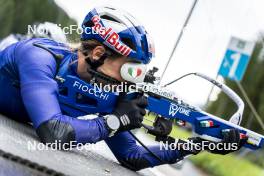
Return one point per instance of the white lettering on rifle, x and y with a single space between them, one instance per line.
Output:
174 109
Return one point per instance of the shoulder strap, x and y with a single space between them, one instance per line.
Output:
57 56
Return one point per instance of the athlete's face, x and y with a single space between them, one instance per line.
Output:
111 66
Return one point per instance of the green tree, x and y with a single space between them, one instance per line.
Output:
16 15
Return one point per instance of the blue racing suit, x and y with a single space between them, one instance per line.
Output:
29 93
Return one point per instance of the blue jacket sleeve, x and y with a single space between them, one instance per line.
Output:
136 157
39 93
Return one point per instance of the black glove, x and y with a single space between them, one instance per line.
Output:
231 137
231 142
130 113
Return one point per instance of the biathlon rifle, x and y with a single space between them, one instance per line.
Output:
78 98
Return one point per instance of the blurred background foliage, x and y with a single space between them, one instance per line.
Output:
16 15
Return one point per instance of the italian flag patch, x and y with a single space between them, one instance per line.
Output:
134 72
